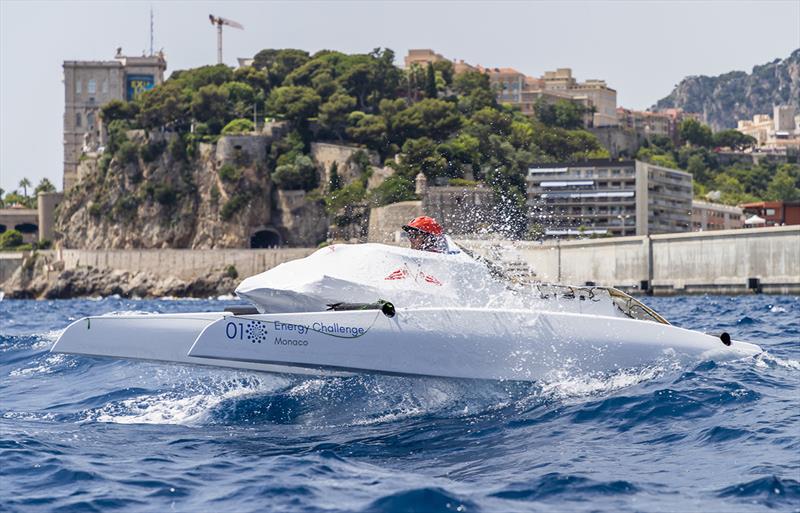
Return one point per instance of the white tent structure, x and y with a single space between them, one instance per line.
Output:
755 220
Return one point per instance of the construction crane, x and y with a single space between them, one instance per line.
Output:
219 22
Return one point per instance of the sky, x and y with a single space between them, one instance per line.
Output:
641 48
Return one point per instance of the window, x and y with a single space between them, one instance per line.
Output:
105 86
92 87
770 211
77 119
78 87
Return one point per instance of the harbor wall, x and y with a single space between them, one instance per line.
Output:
716 262
181 263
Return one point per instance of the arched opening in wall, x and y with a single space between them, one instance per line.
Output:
265 239
2 228
26 228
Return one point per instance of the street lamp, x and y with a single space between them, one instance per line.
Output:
623 218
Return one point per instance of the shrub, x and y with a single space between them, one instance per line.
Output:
229 173
177 149
128 153
460 182
10 239
95 210
238 126
393 189
231 272
299 175
233 205
150 152
125 207
165 195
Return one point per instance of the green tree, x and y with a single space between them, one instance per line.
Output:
430 82
10 239
25 183
279 63
298 175
428 118
368 129
209 106
335 182
45 185
295 103
697 167
238 126
733 139
394 189
118 109
783 186
333 114
693 132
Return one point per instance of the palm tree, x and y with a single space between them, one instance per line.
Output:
25 183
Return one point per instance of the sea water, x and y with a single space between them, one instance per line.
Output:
90 434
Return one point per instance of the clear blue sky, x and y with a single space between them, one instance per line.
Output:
642 49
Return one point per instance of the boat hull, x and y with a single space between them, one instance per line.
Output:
457 343
443 342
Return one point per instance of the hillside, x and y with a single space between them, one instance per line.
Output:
185 167
724 99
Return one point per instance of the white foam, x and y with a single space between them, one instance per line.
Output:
47 366
765 360
188 406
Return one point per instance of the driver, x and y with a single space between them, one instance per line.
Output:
425 234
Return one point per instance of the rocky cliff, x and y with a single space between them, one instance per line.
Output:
724 99
155 190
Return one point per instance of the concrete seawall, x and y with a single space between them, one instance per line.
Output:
182 263
717 262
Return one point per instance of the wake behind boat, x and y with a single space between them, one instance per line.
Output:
383 309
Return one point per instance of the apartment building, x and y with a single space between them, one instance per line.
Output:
602 197
708 216
779 131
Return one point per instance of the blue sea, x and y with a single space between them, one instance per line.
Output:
85 434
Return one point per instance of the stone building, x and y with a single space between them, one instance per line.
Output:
606 198
88 85
515 88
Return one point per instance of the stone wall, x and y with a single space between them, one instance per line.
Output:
385 222
302 222
325 154
181 263
10 262
618 141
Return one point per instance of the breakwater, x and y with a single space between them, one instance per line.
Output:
720 262
717 262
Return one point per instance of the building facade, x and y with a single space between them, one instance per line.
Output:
708 216
88 85
515 88
774 213
609 198
781 131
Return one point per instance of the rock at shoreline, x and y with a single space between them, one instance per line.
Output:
38 279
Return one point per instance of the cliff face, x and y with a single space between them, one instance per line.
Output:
724 99
157 192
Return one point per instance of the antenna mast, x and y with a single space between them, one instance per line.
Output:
151 31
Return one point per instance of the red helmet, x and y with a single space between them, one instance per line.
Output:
424 224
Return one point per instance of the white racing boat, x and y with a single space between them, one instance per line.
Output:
383 309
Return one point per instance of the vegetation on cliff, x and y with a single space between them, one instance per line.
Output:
737 183
444 125
726 98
